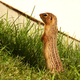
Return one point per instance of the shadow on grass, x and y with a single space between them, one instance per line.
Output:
24 42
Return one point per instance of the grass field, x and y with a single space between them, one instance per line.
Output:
21 54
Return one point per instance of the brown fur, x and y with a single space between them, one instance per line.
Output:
49 39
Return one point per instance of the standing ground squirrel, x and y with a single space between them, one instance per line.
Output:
49 39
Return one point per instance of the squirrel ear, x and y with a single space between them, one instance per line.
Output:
51 18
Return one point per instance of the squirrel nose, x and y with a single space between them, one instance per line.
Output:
39 14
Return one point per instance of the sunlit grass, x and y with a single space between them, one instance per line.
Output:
21 54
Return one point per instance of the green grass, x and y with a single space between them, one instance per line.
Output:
21 54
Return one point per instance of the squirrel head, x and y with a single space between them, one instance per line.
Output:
48 18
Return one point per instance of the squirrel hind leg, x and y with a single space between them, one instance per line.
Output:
50 66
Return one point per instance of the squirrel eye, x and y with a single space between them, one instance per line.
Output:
51 18
45 14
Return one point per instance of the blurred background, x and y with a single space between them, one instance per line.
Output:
67 12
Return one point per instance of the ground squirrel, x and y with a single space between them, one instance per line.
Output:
49 39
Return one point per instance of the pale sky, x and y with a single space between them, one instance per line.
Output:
67 12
